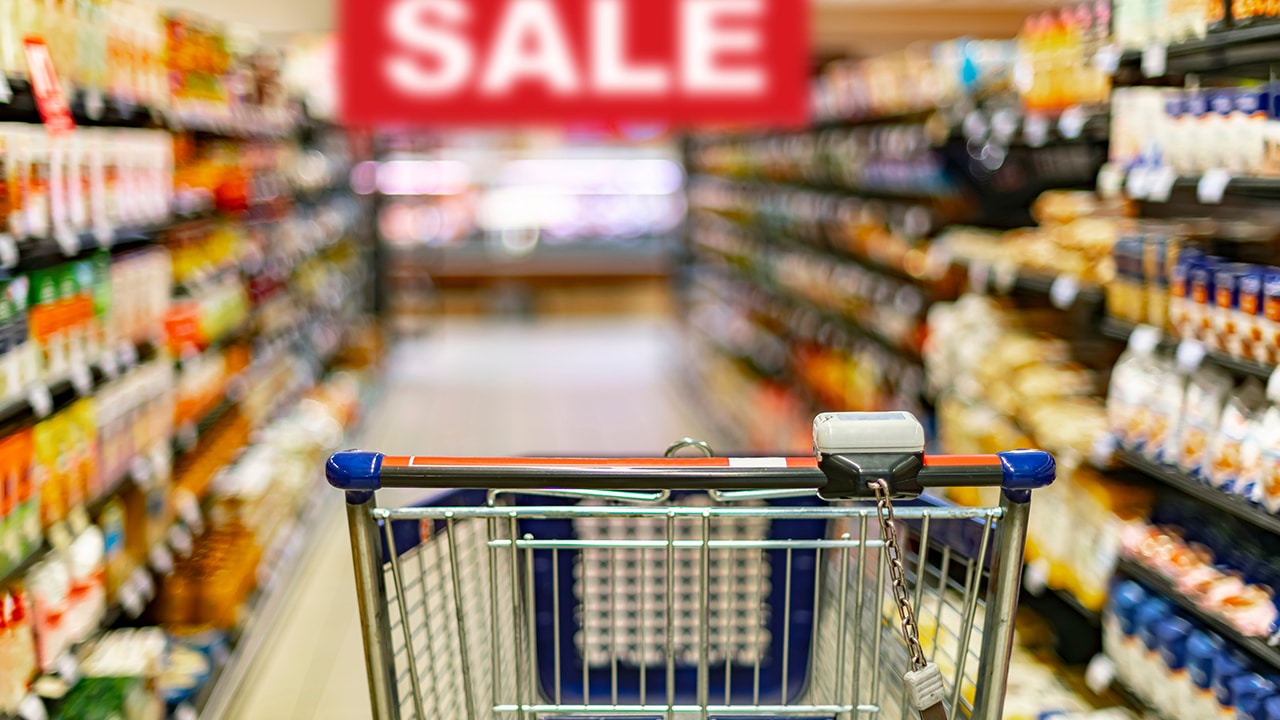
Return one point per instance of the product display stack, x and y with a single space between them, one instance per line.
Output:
183 309
1066 242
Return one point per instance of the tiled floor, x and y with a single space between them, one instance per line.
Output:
574 388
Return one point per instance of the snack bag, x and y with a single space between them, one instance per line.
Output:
1202 410
1226 462
1127 396
1164 410
1267 489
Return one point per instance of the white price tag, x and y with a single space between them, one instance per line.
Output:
1071 122
93 105
1102 453
1273 386
1213 185
180 540
1155 60
161 559
82 379
110 365
142 472
1144 339
146 586
40 399
979 276
67 240
1064 291
78 519
1137 185
1107 59
32 707
1004 277
1160 184
128 355
1035 130
131 601
1110 181
68 668
6 92
184 712
8 251
1100 673
1035 577
937 259
1190 354
188 509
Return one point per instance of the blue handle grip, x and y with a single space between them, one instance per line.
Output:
1026 470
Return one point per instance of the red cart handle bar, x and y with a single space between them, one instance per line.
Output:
839 476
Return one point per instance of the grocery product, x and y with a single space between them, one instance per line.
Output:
20 527
17 650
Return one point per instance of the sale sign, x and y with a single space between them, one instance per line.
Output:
50 100
513 62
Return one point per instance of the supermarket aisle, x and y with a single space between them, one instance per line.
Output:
471 388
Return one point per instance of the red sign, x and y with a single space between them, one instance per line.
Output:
514 62
53 106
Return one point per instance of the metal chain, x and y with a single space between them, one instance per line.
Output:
898 574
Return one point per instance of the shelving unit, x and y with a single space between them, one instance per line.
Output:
1121 330
1260 648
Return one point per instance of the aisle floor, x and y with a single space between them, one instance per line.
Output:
563 387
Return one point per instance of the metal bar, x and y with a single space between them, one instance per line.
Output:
671 630
644 635
494 648
818 574
463 648
397 578
843 638
517 626
531 614
972 578
426 623
726 641
1002 605
797 711
613 624
786 631
755 691
921 556
942 590
544 543
858 601
882 560
556 512
445 582
704 661
648 474
555 618
375 623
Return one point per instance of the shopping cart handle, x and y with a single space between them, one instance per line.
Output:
835 476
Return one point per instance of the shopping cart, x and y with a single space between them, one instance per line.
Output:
582 589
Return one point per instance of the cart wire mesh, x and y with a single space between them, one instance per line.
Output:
695 608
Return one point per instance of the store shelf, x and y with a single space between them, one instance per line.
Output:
1032 283
1171 477
1217 51
97 109
793 302
1260 648
17 412
1121 330
475 262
